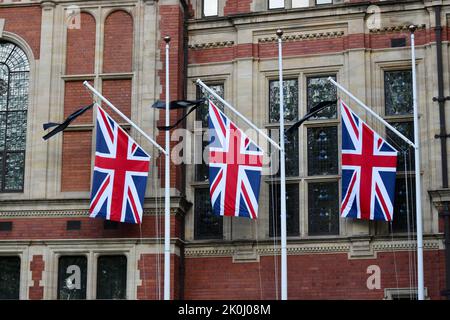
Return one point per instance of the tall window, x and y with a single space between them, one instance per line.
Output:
9 278
210 8
399 113
14 87
112 277
276 4
322 154
290 89
206 225
72 277
300 3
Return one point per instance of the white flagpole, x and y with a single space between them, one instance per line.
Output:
420 278
98 94
284 285
167 184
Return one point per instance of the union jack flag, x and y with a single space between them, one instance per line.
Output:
235 165
120 173
369 166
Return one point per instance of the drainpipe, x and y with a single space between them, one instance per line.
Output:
443 136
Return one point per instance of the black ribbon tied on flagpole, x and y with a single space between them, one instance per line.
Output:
178 104
311 113
62 126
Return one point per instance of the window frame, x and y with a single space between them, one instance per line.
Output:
26 70
277 8
402 118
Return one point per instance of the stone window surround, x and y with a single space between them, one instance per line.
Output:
91 253
100 13
25 274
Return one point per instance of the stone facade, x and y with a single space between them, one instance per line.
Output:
118 46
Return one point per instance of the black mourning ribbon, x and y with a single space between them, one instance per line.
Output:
62 126
178 104
312 112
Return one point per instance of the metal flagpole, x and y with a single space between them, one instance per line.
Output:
135 126
420 279
167 184
284 295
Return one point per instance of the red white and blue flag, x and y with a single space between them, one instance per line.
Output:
369 166
120 173
235 165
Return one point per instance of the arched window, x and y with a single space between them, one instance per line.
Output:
14 87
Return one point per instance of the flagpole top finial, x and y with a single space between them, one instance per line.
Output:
412 28
167 39
280 33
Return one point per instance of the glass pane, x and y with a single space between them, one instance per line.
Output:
323 208
274 4
2 130
292 210
202 112
300 3
404 206
9 278
72 278
398 92
14 168
18 91
407 129
17 60
290 100
322 151
207 225
292 152
320 89
4 78
16 130
324 1
210 8
202 170
112 277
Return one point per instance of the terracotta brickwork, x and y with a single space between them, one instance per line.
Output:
37 265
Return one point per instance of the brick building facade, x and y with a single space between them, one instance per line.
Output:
48 48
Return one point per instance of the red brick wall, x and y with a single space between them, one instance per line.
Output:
75 97
76 161
80 54
237 6
318 276
55 228
26 22
118 50
36 292
171 23
118 93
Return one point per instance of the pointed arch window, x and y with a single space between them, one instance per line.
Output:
14 89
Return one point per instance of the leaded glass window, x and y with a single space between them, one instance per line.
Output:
398 92
202 112
407 129
292 213
202 170
322 151
292 152
112 277
9 278
207 225
323 208
290 100
72 277
319 90
14 88
404 205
